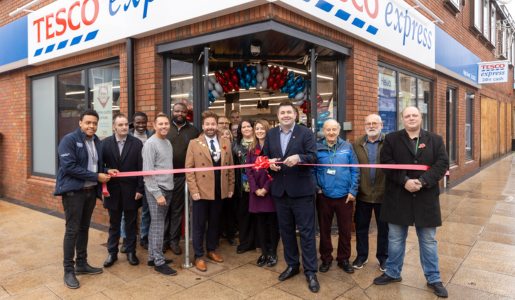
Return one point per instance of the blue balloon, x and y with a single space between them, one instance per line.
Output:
291 74
247 77
247 85
289 82
239 71
244 68
284 90
324 115
320 123
210 94
291 88
242 83
253 72
211 98
298 79
253 82
292 95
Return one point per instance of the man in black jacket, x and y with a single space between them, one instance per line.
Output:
293 189
122 153
411 198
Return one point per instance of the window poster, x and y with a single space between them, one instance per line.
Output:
387 91
103 104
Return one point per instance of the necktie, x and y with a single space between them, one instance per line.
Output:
213 148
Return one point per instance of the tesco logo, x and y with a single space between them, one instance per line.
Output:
496 66
63 18
366 3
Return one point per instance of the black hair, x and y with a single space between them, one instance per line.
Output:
119 115
180 103
286 103
239 135
89 112
140 114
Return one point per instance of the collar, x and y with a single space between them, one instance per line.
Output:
378 140
117 140
83 135
208 139
335 144
185 124
291 129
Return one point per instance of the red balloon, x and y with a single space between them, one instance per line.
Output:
305 110
236 87
226 90
282 82
277 70
230 85
278 77
304 105
234 78
221 81
272 70
270 82
226 75
232 70
217 74
276 86
285 71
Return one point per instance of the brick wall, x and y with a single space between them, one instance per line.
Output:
362 85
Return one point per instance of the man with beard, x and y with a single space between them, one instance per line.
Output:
208 188
180 134
370 194
121 152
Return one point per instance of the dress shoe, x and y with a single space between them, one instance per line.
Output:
439 289
176 249
232 242
324 267
123 249
165 270
241 251
111 258
71 281
151 263
200 264
87 270
215 257
144 242
261 260
385 279
346 266
133 259
314 286
272 261
288 273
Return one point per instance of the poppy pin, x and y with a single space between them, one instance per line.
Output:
422 145
257 152
293 136
225 148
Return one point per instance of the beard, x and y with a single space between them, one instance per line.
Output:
373 133
177 121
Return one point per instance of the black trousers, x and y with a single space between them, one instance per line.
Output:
268 232
246 224
205 211
131 229
362 217
173 220
78 208
228 218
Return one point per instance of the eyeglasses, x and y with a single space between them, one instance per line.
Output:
375 124
223 123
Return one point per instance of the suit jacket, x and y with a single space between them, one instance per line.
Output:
123 189
400 206
203 182
296 181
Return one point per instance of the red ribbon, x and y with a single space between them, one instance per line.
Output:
262 162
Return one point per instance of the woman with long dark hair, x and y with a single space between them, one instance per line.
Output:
261 200
244 138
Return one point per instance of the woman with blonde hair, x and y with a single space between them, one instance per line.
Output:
226 133
261 202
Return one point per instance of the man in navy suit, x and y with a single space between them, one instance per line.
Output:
122 153
293 189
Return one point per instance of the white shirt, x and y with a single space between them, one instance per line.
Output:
217 145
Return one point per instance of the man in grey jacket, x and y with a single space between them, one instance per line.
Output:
158 155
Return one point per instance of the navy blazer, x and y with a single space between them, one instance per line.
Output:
123 189
296 181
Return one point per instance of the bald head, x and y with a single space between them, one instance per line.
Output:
412 119
331 131
331 122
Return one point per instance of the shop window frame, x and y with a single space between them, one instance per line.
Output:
55 74
453 5
478 28
469 108
398 70
453 106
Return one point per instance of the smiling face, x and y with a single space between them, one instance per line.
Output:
180 112
140 124
286 115
373 126
226 135
260 131
223 122
411 118
331 131
162 126
247 130
88 125
210 126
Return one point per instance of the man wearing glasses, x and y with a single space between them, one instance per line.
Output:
370 194
223 122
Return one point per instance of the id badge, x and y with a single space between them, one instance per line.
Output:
94 169
331 171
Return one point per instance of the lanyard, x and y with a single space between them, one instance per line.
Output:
416 147
334 153
92 153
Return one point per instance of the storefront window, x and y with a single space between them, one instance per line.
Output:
327 102
181 85
424 94
104 96
387 98
407 96
43 143
71 101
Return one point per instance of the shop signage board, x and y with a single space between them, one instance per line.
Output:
13 45
493 71
65 28
392 25
103 104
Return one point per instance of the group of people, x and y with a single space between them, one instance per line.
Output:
304 179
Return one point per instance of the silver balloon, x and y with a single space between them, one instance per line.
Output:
266 72
259 76
259 68
264 84
211 86
212 79
215 94
219 88
299 96
300 102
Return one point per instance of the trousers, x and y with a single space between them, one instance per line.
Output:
157 226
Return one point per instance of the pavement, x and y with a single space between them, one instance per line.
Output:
476 245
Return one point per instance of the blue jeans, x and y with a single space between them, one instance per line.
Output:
428 251
145 219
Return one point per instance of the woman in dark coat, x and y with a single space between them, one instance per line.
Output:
261 201
246 221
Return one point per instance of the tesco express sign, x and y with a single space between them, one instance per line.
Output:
66 27
392 25
493 72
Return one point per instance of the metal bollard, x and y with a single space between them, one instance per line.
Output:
187 264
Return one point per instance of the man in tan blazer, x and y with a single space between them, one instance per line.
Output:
208 188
